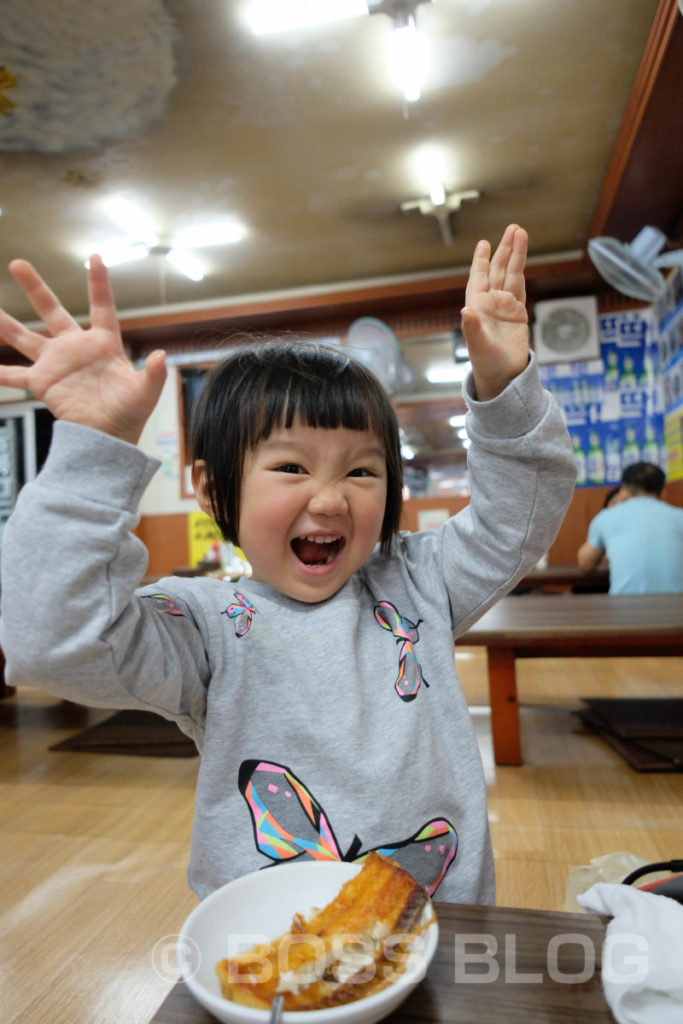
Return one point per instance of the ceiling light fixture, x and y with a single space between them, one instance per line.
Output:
142 239
452 201
408 44
268 17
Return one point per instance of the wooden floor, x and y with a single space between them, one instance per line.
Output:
94 848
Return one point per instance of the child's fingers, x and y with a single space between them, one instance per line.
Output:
44 301
478 280
102 307
514 273
29 343
470 322
501 258
155 369
14 377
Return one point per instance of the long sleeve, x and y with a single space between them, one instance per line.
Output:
522 476
71 622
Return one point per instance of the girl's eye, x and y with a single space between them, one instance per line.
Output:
290 467
361 472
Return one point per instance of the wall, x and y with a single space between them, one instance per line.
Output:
163 523
160 438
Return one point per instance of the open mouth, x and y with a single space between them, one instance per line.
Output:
317 550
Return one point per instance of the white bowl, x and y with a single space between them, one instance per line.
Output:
259 907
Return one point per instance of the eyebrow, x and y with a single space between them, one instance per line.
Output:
285 444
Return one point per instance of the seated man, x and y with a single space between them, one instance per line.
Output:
641 535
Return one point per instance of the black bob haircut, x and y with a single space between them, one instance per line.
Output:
266 385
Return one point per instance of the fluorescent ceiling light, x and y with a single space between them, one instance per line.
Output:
187 263
437 193
270 16
120 251
408 56
199 236
447 373
132 218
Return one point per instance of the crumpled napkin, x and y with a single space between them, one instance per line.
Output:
642 960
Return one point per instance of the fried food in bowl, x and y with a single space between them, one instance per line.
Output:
343 943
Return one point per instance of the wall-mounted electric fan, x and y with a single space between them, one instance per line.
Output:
374 344
634 268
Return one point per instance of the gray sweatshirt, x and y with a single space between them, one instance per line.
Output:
325 730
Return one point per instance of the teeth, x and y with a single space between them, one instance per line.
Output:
322 540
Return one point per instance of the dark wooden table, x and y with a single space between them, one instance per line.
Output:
564 626
565 577
492 964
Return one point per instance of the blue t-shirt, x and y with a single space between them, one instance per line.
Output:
643 539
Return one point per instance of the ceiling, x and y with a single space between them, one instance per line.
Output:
305 138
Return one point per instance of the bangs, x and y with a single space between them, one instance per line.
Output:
331 394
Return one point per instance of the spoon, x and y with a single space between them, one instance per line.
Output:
276 1010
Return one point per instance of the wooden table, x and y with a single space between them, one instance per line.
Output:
491 964
565 577
565 626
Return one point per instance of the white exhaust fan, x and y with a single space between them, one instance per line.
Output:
634 268
566 330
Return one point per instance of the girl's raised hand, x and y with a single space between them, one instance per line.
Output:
82 375
494 320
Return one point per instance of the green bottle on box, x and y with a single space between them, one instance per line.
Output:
580 461
630 452
628 377
650 451
596 461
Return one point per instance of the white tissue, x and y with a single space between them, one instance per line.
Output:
642 962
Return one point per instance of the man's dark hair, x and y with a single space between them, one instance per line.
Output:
643 477
265 385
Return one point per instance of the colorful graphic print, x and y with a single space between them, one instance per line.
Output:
163 603
409 672
289 823
241 614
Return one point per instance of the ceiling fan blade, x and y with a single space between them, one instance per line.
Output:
114 254
186 263
133 219
201 236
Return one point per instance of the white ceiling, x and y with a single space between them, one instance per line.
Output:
302 136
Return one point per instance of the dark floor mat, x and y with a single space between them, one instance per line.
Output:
141 733
633 717
648 733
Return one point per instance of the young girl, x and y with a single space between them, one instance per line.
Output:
322 692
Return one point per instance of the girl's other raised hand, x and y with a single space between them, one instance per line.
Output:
495 321
81 374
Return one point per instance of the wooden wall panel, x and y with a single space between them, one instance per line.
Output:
166 540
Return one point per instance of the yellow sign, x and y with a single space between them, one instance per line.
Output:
201 534
673 433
